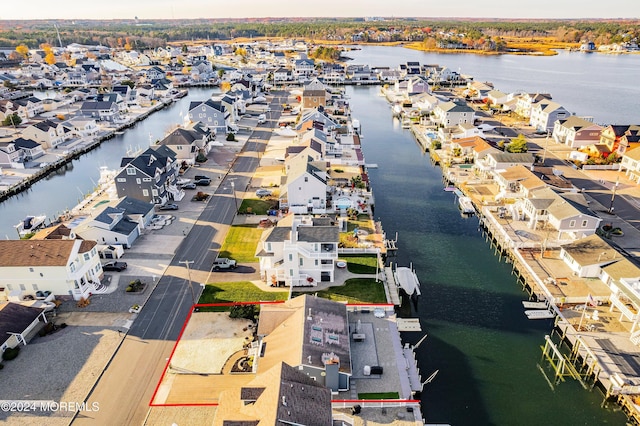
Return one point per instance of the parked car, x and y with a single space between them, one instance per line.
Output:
190 185
199 177
168 206
263 192
114 266
224 263
203 182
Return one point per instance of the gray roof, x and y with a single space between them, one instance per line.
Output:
108 215
318 234
134 206
15 318
278 234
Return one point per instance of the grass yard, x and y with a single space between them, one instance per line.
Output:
379 395
361 264
241 243
355 290
363 222
239 291
255 206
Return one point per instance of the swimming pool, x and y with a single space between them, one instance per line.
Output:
343 203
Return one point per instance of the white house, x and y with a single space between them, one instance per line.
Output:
453 113
63 267
545 113
299 251
576 132
631 164
304 187
587 256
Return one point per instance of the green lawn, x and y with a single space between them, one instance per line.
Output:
239 291
257 206
363 222
379 395
361 264
355 290
241 243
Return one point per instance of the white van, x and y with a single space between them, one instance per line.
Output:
262 118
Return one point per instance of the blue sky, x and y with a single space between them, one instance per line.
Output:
170 9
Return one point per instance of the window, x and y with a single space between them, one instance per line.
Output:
146 180
301 262
23 287
122 179
86 257
290 257
35 287
138 181
30 269
154 192
72 267
572 224
306 178
290 272
584 223
131 171
145 192
268 246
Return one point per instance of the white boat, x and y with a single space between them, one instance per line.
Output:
534 305
30 224
407 279
466 206
539 314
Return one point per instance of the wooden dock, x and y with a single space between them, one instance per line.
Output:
390 287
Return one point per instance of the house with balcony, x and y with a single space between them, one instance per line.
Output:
526 101
496 160
30 150
63 267
620 138
623 278
210 113
107 111
567 213
82 127
453 113
110 226
303 69
313 98
304 187
29 107
517 182
317 118
299 251
187 143
10 156
150 177
47 133
576 132
545 113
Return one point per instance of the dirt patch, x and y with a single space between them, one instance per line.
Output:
208 341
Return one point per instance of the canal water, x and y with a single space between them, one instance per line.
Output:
487 353
65 188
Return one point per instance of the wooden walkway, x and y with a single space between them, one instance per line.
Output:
390 287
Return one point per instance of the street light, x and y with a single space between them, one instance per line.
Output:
187 263
233 188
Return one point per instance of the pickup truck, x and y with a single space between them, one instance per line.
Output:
224 263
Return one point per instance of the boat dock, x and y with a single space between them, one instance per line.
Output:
390 287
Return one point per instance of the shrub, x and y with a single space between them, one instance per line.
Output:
10 353
231 137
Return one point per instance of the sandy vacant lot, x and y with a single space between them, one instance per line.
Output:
208 341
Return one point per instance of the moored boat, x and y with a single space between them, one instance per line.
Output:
539 314
30 224
534 305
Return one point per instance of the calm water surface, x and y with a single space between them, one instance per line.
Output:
485 349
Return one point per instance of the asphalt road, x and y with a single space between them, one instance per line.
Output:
127 385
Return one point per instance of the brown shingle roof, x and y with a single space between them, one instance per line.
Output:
40 253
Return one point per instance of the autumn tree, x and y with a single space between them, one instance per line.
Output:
225 86
23 51
518 144
50 58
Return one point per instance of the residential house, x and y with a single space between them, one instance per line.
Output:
17 322
496 97
567 213
109 226
317 118
29 107
453 113
587 256
101 110
188 143
525 103
466 146
212 114
497 160
304 186
303 69
10 156
623 278
82 127
576 132
47 133
281 392
545 113
312 335
63 267
417 84
517 182
149 177
155 73
631 164
30 150
620 138
314 98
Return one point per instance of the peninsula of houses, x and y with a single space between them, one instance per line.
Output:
304 193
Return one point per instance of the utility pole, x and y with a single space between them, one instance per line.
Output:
187 263
613 195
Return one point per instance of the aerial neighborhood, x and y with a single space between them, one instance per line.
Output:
263 184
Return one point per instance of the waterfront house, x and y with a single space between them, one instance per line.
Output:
63 267
317 118
517 182
188 143
30 150
155 73
100 110
29 107
303 69
631 164
567 213
313 98
576 132
304 186
496 97
497 160
311 334
10 156
47 133
525 102
587 256
417 84
299 251
149 177
282 75
82 127
17 321
109 226
212 114
623 278
545 113
478 89
281 392
453 113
